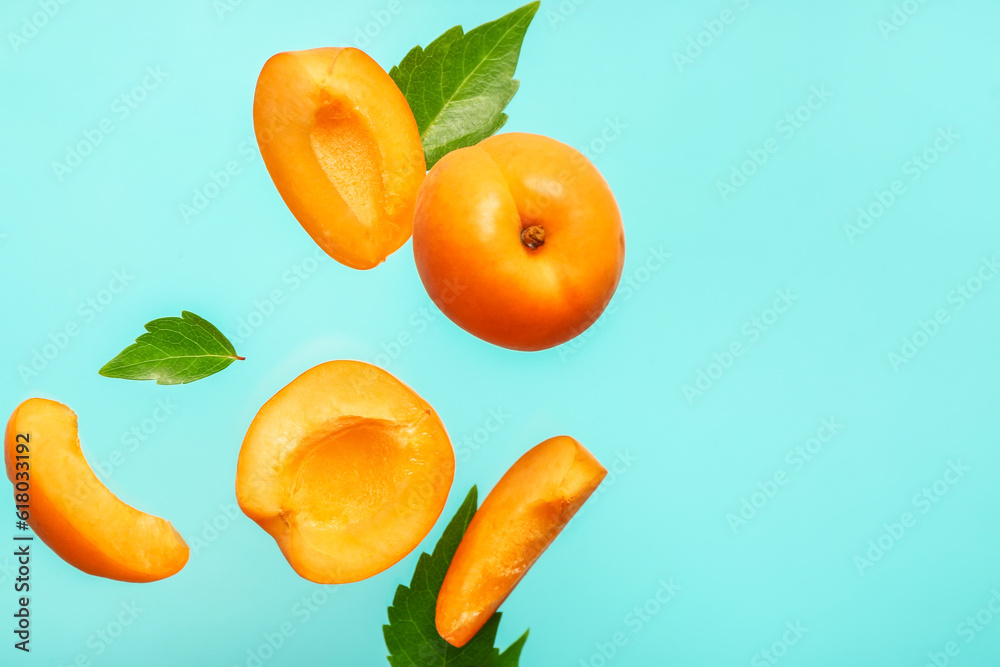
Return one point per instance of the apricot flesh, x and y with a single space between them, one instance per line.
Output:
342 147
518 240
73 512
347 469
519 519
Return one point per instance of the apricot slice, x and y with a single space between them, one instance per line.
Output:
347 469
72 511
342 147
519 519
518 240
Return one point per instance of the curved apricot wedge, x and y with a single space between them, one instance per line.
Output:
347 469
519 519
72 511
342 147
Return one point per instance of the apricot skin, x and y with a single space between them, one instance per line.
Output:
519 519
347 469
471 211
342 147
74 513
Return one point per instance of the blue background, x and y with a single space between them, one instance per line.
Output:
607 78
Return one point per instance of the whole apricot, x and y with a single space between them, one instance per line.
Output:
518 240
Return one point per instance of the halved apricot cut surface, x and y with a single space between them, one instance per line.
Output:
72 511
347 469
519 519
343 150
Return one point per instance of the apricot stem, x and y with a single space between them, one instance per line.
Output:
533 237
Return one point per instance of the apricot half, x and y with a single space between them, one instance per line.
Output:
518 240
342 147
347 469
72 511
519 519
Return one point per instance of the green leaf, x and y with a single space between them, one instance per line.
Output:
510 657
460 84
411 636
176 350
